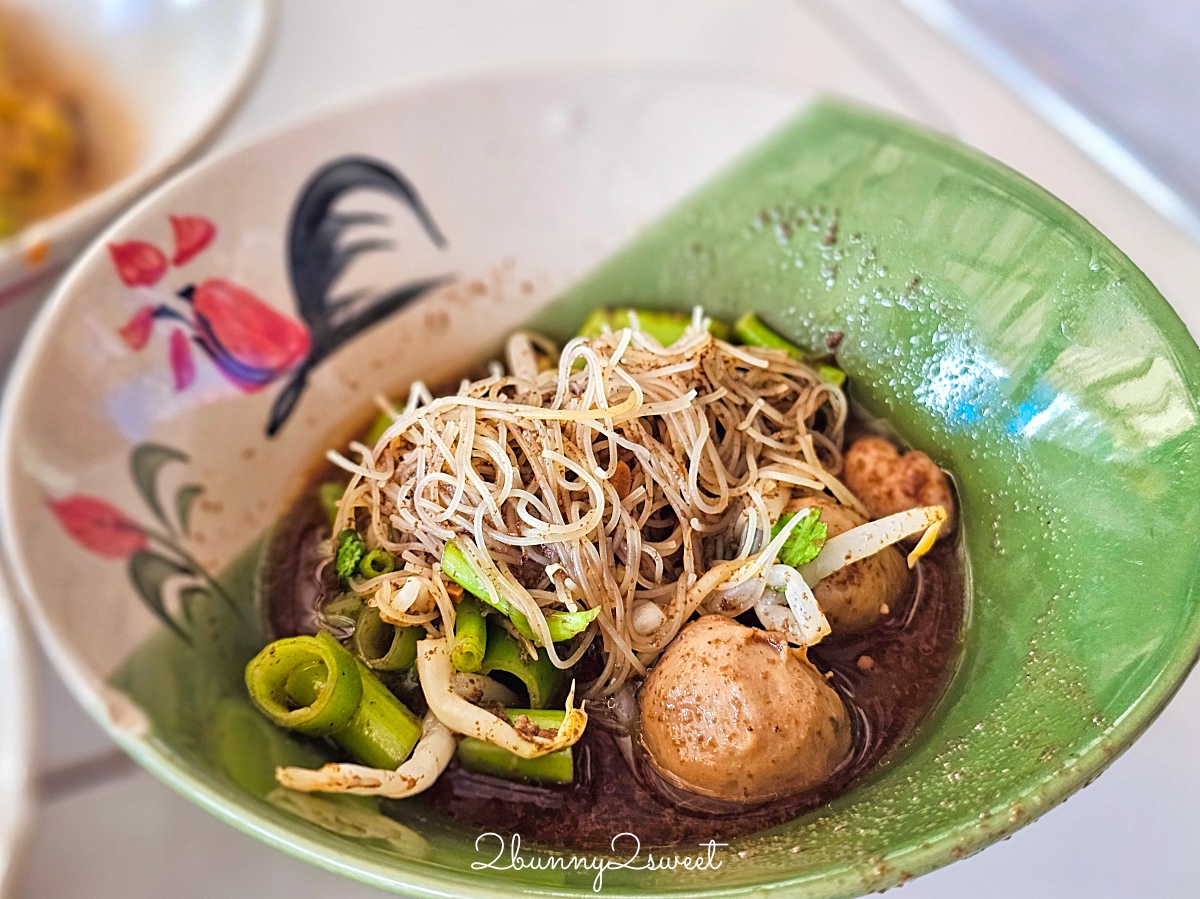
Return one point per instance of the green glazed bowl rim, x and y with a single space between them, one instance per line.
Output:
1074 772
909 861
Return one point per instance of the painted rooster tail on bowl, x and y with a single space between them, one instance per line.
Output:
318 255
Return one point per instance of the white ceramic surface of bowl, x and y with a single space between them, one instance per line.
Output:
173 69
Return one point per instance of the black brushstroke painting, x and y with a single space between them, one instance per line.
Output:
319 252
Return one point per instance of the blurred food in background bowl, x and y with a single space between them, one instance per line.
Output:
62 135
98 101
230 329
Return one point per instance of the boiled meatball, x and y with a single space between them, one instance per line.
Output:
856 597
888 482
731 712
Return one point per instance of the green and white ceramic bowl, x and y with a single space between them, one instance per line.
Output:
195 362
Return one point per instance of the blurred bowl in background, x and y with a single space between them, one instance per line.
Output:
16 737
147 83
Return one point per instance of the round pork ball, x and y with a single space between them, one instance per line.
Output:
888 481
732 712
855 598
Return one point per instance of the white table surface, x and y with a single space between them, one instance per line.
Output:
1128 65
107 829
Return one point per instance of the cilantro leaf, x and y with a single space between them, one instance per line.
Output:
350 550
806 539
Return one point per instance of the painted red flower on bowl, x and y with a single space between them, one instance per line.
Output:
98 526
155 554
138 263
250 342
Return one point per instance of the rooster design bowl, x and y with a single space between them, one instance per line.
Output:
220 336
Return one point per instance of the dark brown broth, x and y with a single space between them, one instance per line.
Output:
912 652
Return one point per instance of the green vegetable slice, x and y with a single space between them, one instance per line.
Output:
470 635
665 327
542 680
324 710
750 331
314 685
482 757
345 605
383 731
832 374
375 563
563 625
383 646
